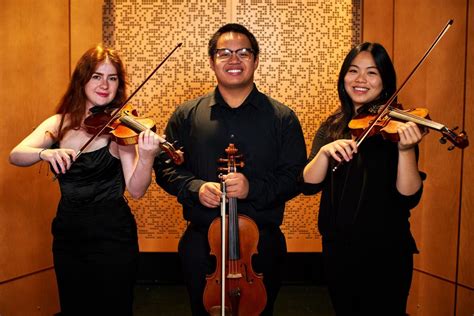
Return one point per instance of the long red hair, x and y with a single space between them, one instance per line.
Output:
73 102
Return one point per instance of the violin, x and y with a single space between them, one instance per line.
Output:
233 288
388 124
125 128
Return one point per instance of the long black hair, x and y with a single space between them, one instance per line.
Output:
340 119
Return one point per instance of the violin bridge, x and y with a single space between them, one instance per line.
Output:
234 275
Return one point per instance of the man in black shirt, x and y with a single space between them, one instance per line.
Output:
267 134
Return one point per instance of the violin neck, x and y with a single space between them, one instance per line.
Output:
234 253
132 124
406 116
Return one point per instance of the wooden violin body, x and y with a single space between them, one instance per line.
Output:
124 130
245 292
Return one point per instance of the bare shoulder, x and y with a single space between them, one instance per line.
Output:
50 125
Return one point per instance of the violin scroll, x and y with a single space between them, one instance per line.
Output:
458 140
231 160
175 155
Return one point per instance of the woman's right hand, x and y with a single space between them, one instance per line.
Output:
60 158
340 149
316 170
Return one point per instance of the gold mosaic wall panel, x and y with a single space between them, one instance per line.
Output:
302 47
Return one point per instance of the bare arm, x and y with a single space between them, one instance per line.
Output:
35 147
408 176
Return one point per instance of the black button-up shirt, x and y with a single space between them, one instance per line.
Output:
267 134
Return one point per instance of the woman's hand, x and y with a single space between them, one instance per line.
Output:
410 135
149 144
340 149
60 159
316 170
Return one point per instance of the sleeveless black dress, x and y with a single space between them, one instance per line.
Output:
95 244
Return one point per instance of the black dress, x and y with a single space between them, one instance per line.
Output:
95 244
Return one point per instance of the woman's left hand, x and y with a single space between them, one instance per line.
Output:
410 135
149 144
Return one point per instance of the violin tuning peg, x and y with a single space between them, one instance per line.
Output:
455 128
451 148
442 140
167 161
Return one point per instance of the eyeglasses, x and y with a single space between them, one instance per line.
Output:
225 53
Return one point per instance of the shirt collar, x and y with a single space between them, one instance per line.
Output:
252 98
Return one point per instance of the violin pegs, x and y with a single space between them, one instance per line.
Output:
455 128
451 148
442 140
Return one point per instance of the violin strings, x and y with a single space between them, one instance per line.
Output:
133 124
418 119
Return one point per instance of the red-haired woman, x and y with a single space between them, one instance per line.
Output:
95 245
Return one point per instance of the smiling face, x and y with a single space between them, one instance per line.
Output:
234 72
362 81
102 86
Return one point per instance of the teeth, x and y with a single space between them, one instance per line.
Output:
234 70
360 89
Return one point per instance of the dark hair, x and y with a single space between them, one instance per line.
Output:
338 121
73 102
236 28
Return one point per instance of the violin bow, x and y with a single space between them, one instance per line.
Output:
382 111
223 248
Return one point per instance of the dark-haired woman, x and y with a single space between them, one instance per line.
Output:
365 204
95 244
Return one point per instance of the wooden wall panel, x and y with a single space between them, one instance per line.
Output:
466 256
34 70
465 305
434 297
86 27
377 25
439 86
32 295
